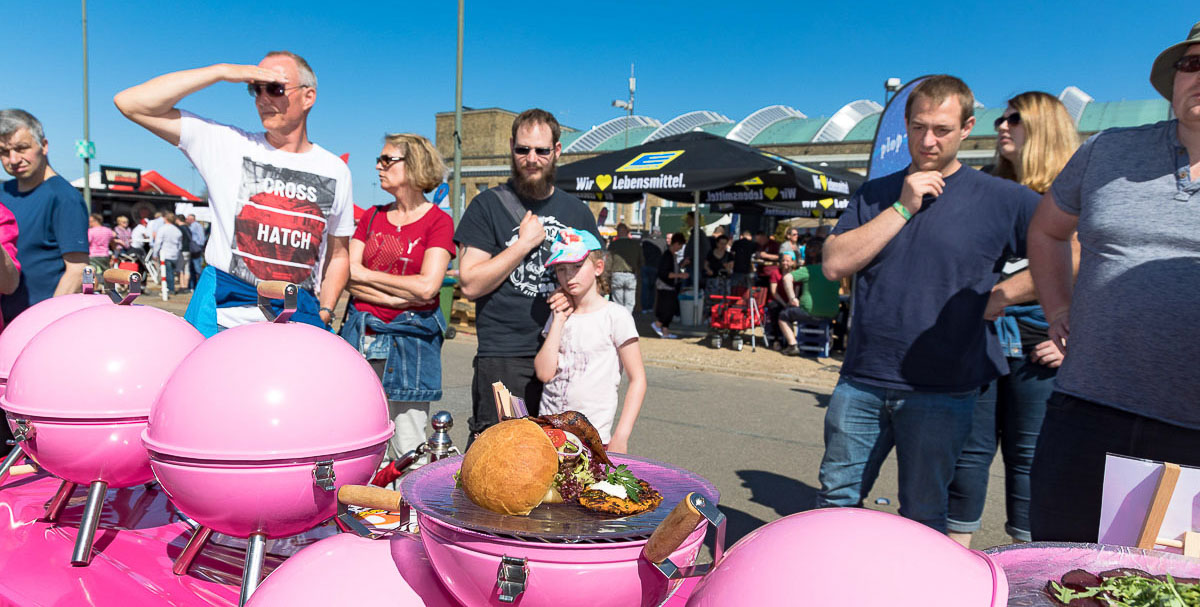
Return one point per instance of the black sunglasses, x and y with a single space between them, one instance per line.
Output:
1012 119
388 161
1188 63
522 150
274 89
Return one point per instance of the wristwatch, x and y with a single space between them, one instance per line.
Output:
325 309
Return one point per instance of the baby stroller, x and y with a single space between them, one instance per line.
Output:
733 314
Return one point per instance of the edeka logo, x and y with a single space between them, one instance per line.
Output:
650 161
822 182
584 184
657 182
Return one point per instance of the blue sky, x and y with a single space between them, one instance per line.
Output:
389 66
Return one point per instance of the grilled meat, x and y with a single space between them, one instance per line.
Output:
577 423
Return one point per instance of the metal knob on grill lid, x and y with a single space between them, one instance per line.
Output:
83 393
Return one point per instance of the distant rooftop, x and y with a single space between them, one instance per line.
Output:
854 122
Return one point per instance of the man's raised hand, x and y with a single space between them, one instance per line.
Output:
251 73
531 232
918 185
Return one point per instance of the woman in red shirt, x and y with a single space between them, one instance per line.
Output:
398 259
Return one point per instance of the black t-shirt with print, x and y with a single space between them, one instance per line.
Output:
510 319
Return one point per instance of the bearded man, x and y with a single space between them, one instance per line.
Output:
504 241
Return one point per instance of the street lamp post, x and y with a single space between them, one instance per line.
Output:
891 85
627 105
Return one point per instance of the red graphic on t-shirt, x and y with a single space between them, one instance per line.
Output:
293 236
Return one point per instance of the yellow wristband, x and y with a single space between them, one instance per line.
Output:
902 211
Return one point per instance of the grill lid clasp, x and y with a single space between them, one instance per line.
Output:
511 578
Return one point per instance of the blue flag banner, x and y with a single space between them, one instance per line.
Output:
889 152
441 197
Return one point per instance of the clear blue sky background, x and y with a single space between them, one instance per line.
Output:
389 66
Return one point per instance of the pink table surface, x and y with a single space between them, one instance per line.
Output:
137 541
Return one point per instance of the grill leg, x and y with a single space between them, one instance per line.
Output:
56 505
82 555
190 551
253 570
13 456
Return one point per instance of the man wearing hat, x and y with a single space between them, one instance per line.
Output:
1130 323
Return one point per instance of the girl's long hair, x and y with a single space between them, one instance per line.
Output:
604 280
1050 139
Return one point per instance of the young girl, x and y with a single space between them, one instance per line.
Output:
588 342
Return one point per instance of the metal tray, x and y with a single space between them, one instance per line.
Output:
431 491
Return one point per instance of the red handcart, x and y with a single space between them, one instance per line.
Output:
735 314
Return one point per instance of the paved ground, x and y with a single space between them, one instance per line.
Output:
750 422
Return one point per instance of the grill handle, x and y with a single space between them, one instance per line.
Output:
369 496
670 534
129 278
277 289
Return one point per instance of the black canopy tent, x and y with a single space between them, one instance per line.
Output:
684 167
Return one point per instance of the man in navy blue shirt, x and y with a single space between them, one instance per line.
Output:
51 216
927 244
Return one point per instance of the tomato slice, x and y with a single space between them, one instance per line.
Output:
558 437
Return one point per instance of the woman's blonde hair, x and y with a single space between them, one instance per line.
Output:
422 163
1050 139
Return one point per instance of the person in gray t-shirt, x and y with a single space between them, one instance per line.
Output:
1129 382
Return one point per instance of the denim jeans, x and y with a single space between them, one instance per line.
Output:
624 289
927 429
649 275
1009 416
197 268
170 277
1067 482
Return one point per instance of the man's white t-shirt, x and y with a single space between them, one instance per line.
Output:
272 211
589 367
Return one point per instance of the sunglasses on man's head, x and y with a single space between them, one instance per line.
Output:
522 150
273 89
1012 119
1188 63
387 161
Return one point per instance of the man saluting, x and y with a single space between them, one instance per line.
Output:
281 204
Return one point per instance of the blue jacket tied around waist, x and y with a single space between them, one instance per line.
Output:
412 346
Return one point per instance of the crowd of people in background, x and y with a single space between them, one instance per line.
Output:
965 284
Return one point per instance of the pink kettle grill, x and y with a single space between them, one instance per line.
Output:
28 324
83 426
851 556
258 426
580 558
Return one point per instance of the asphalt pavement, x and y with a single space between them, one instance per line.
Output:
759 441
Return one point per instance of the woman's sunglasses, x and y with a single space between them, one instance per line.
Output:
273 89
387 161
1012 119
1188 63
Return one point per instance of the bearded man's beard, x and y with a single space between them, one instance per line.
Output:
536 188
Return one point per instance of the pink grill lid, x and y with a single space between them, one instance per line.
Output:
269 391
101 362
29 323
